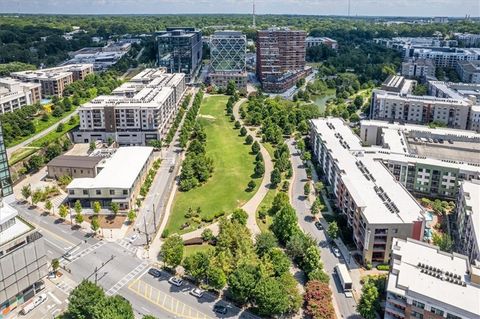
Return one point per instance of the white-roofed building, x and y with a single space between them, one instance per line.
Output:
425 282
468 219
118 181
14 94
137 112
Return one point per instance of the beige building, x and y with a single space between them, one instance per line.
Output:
53 81
73 166
119 180
14 94
425 282
377 206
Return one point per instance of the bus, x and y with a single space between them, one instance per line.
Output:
345 279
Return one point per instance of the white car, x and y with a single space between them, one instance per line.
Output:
132 239
39 300
175 281
336 252
197 292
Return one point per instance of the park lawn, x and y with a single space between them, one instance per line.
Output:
21 154
266 204
233 169
54 135
191 249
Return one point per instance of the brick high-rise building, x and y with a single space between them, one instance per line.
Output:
280 58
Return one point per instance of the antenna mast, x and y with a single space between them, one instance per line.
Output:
254 24
349 8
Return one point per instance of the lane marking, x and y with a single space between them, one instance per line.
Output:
54 298
52 243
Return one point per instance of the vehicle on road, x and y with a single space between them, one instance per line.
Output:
319 225
35 302
336 252
175 281
345 279
197 292
171 169
155 272
220 309
132 239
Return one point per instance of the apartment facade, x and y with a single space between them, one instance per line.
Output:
14 94
469 71
425 282
180 50
316 41
444 57
418 69
468 219
5 179
377 207
280 58
119 181
137 112
468 39
53 81
228 58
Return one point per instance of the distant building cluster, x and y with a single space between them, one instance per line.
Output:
137 112
100 57
14 94
468 39
316 41
452 104
53 81
469 71
280 58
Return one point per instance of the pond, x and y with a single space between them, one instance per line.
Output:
321 100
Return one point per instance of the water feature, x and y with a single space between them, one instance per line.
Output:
321 100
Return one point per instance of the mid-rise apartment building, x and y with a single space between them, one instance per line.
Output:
14 94
137 112
469 71
53 81
180 50
377 206
448 104
23 262
468 219
418 69
316 41
280 58
425 282
444 57
468 39
228 58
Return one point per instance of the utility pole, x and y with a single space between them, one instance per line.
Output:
349 8
146 232
154 215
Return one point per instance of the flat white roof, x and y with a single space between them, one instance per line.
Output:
407 278
7 212
120 171
366 178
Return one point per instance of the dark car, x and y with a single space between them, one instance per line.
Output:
220 309
155 272
319 225
171 168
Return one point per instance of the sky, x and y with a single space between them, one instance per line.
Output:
427 8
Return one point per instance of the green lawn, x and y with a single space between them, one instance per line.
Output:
191 249
266 204
233 167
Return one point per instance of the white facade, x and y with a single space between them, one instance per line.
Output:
445 57
418 68
468 219
14 94
316 41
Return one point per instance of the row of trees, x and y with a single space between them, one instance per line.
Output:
178 119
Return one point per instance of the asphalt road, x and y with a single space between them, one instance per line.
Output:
346 306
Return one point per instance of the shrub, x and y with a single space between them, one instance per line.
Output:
249 139
384 267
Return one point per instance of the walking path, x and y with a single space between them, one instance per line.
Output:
252 205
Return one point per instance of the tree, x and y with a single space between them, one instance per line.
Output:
77 207
197 264
95 224
231 88
306 189
155 144
264 243
26 191
443 241
280 201
216 278
259 169
48 206
317 207
332 230
259 157
131 215
172 251
249 140
275 177
243 131
115 207
311 261
256 148
79 218
60 127
92 146
207 234
319 187
240 216
284 224
55 264
242 282
280 261
97 207
358 101
35 162
369 301
318 300
63 211
84 300
251 185
270 297
37 197
237 125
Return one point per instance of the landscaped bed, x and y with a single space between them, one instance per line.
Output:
233 169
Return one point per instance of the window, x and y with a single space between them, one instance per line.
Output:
71 192
85 192
415 314
450 316
125 192
112 192
418 304
98 192
436 311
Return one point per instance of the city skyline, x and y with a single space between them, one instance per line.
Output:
426 8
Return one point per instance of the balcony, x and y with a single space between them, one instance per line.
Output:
396 312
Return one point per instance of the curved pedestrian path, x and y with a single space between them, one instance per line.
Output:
252 205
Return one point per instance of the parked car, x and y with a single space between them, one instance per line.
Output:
441 140
319 225
336 252
155 272
220 309
171 168
175 281
133 238
197 292
450 141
